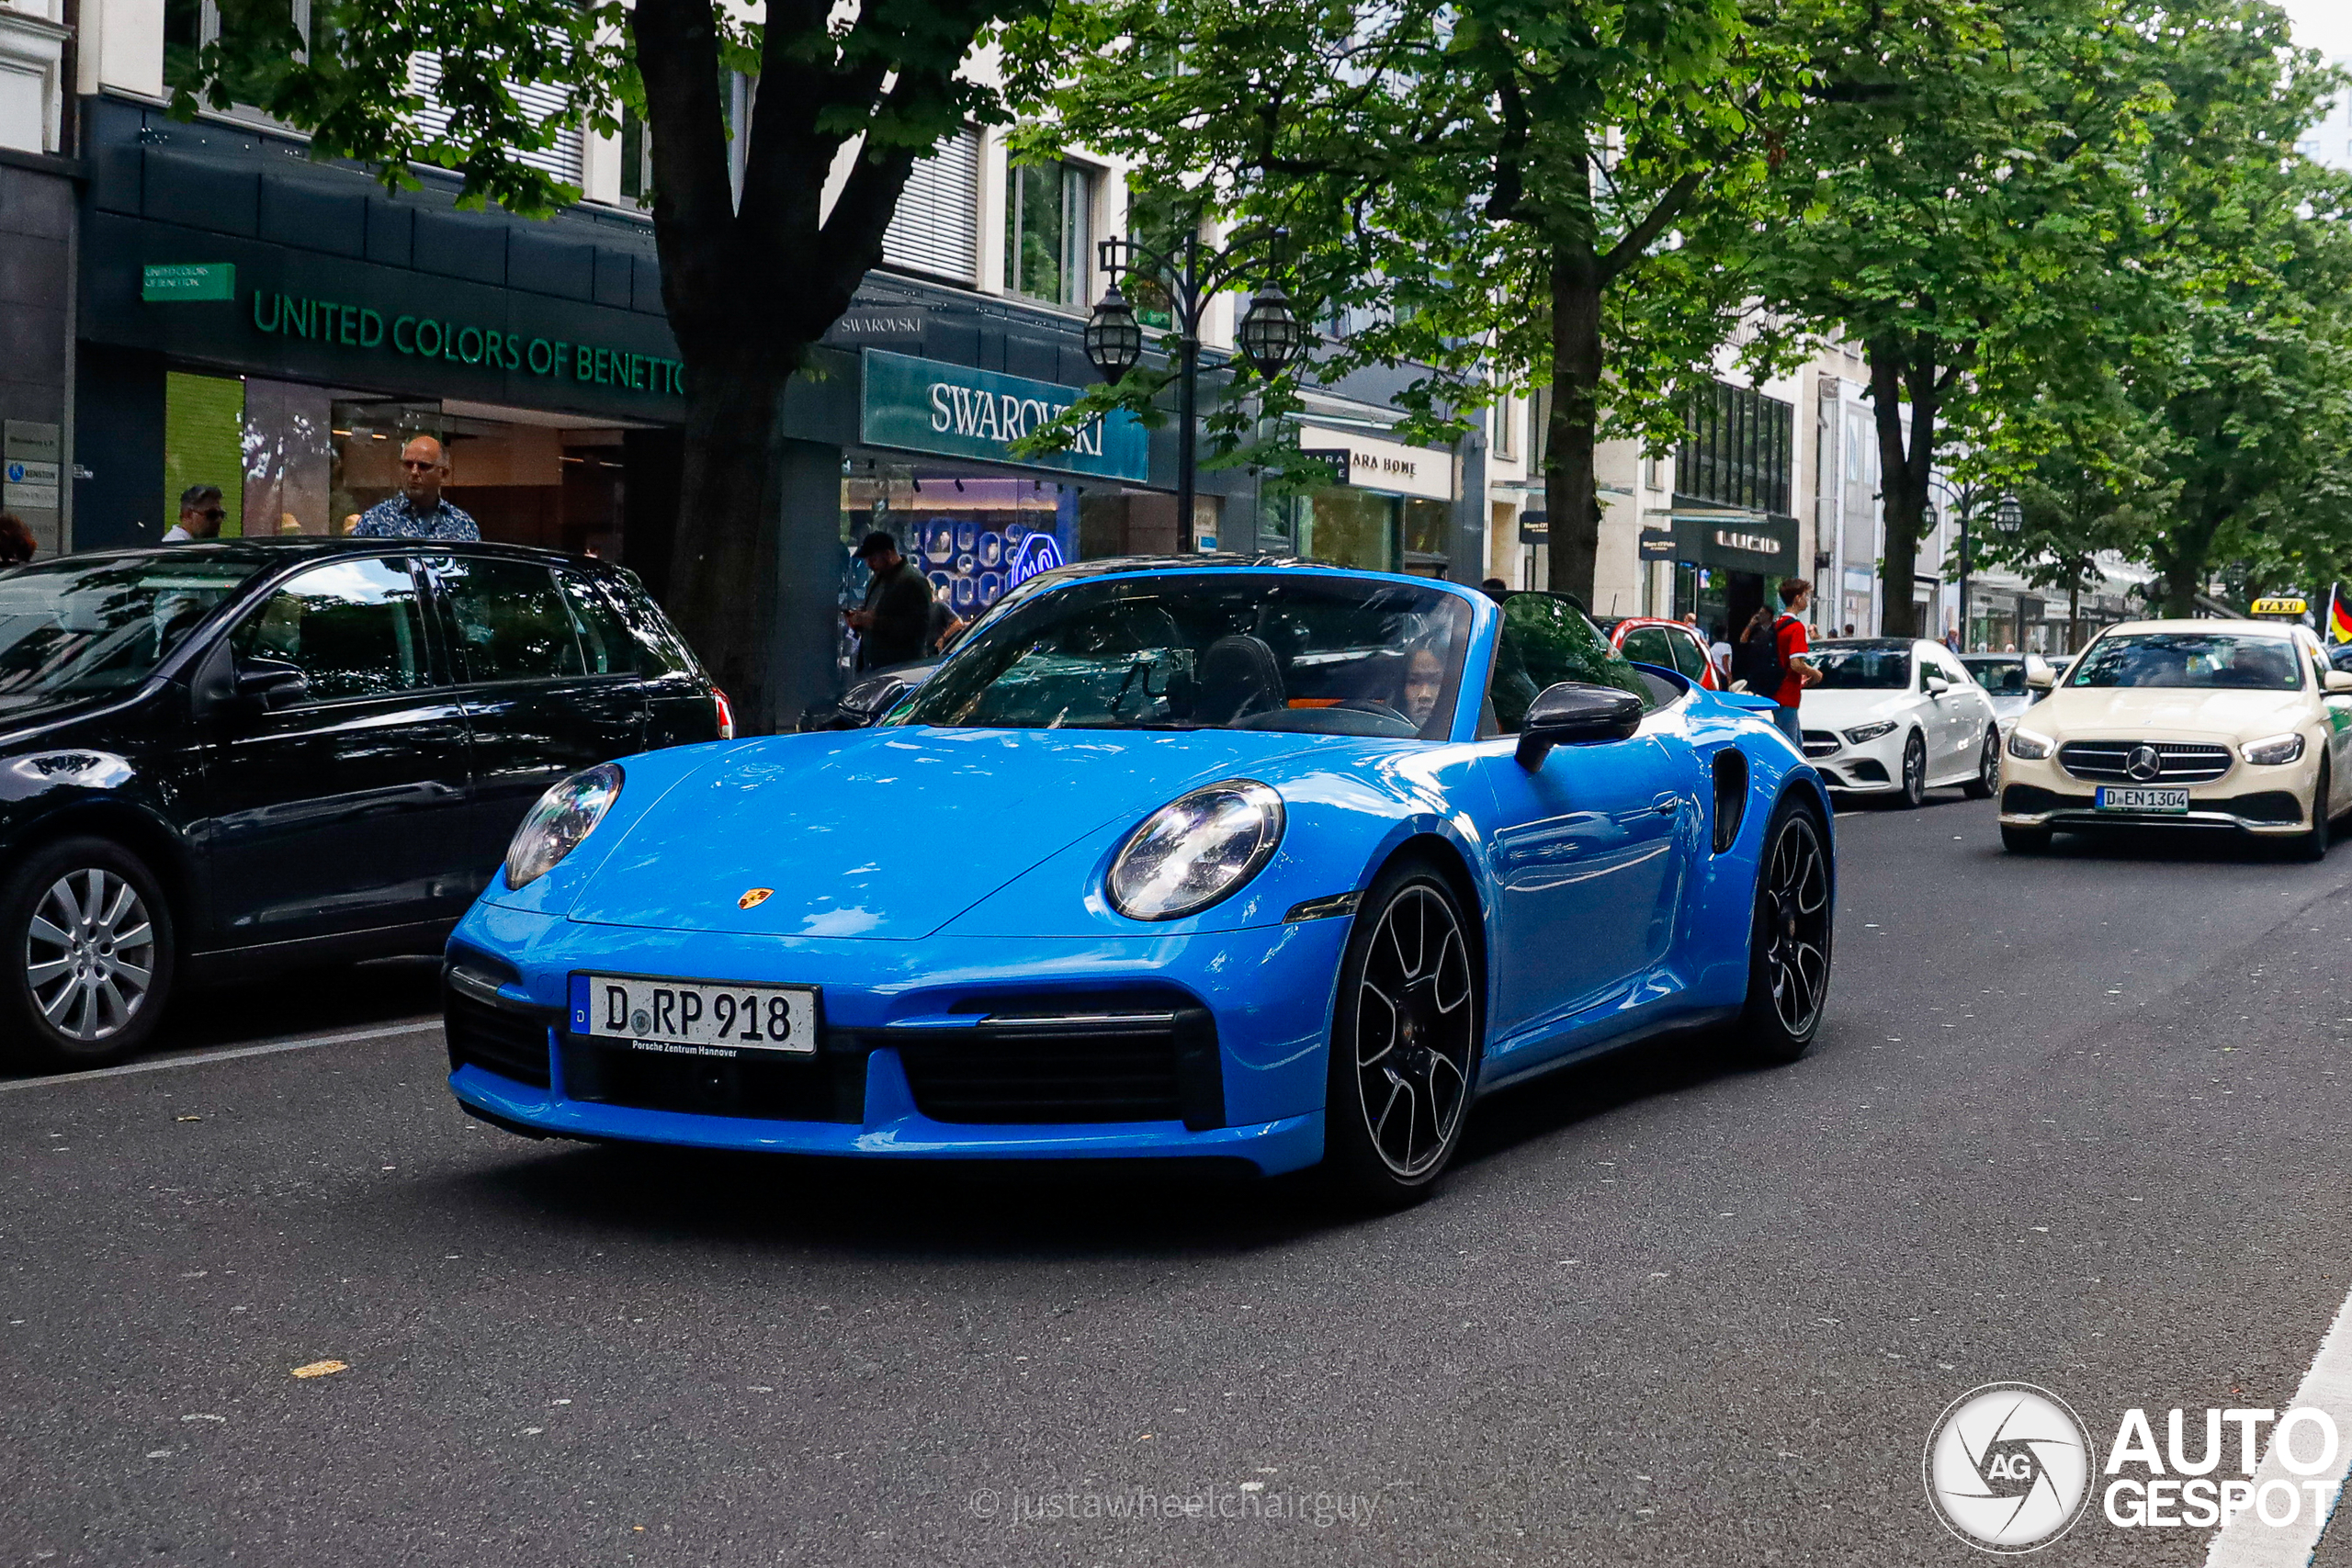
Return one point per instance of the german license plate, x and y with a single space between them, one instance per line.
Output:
695 1018
2114 799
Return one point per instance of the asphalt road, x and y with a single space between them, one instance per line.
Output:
2077 1121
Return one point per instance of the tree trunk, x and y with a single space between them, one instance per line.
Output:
1896 366
2186 563
725 549
1571 486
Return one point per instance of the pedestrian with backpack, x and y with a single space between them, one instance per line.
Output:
1781 670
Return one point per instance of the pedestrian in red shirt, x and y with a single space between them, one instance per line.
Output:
1791 646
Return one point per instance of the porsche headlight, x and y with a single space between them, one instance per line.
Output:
1195 850
567 814
2274 751
2030 746
1862 732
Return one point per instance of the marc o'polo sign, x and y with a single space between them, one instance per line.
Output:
363 327
926 405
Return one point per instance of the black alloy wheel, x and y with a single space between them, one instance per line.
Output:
1789 942
1914 771
1988 768
88 939
1405 1040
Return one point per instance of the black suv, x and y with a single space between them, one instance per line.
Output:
226 757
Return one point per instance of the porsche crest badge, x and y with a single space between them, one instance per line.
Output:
754 897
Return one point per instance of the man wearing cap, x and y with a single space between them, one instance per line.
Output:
898 605
419 511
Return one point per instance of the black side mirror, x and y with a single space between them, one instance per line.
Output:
1573 713
269 684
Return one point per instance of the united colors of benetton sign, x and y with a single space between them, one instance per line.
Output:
926 405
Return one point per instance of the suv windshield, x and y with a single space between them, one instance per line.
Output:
83 628
2203 660
1863 666
1203 651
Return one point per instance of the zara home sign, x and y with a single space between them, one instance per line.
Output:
927 405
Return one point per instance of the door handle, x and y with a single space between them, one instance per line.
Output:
1666 805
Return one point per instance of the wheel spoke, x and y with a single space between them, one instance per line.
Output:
42 930
124 901
1453 945
39 974
1368 989
133 972
54 1009
85 1013
140 935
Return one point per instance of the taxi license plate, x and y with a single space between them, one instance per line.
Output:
695 1018
2111 799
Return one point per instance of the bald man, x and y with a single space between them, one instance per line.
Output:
418 511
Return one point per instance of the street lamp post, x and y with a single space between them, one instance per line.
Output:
1192 276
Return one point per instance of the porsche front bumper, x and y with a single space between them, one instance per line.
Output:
1209 1046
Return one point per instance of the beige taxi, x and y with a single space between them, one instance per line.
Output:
2218 725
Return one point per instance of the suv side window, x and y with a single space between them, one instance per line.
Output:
508 621
605 642
1545 640
659 651
1690 654
354 628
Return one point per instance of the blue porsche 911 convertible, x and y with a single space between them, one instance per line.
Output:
1209 858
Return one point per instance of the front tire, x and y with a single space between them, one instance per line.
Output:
1406 1040
86 940
1789 939
1988 768
2312 844
1914 772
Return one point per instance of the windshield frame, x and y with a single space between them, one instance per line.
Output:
2072 675
249 573
988 636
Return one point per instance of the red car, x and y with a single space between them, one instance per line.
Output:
1671 644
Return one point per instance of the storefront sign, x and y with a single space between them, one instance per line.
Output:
32 485
1335 458
1534 527
431 337
926 405
188 280
1657 544
1754 544
1738 541
1391 465
1038 552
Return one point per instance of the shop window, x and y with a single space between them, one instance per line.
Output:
937 227
637 159
1426 527
512 625
284 26
203 443
538 100
354 628
973 535
1348 527
288 457
1049 239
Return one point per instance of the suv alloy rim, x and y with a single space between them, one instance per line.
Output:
1414 1031
89 954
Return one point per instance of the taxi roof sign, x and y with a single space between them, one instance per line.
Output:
2282 606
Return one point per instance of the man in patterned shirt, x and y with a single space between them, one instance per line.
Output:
418 511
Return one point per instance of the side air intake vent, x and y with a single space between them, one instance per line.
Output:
1731 795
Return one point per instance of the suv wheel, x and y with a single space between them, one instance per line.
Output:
86 936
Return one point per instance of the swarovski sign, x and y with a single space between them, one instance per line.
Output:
928 405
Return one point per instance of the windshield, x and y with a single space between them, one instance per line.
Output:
82 628
1863 666
2002 677
1201 650
2201 660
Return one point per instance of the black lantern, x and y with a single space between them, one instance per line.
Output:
2009 515
1114 337
1270 335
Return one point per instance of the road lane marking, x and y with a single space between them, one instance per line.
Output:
196 1058
2246 1541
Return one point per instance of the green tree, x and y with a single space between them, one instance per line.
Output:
1956 211
750 282
1498 193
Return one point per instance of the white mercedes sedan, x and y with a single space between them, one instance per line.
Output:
1897 716
2241 725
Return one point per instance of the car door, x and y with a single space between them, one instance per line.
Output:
534 706
1968 709
1690 656
1938 711
1586 850
343 809
621 627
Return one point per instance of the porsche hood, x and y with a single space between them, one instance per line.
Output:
889 834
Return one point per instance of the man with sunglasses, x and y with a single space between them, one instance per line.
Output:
200 514
419 511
